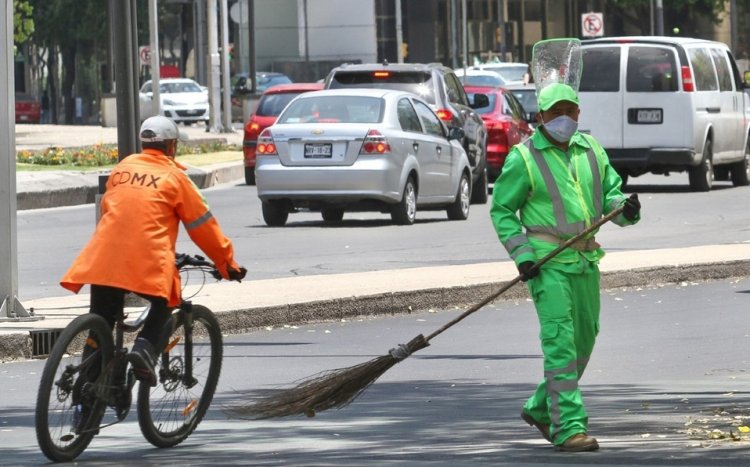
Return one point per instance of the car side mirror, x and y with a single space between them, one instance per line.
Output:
480 100
746 78
456 133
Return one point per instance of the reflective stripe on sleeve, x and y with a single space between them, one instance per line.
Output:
199 221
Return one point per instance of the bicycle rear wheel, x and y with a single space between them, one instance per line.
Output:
68 410
169 412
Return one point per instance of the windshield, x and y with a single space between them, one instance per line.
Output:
334 109
416 82
171 88
271 105
527 98
488 80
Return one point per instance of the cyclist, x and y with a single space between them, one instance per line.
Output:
133 247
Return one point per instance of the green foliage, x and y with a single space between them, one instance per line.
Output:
23 23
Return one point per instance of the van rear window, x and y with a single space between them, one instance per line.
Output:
601 69
416 82
651 69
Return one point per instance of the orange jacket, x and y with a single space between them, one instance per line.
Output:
133 247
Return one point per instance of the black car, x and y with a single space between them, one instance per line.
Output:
439 86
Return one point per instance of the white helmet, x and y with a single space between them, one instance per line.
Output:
160 128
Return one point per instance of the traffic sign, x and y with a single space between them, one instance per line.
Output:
592 24
144 53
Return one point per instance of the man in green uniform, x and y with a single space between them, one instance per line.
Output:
553 186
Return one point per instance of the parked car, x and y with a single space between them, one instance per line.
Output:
361 150
506 123
526 95
28 109
511 72
667 104
472 77
182 100
441 89
270 105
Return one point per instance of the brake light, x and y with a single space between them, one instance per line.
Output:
445 115
266 146
375 143
381 74
497 134
687 79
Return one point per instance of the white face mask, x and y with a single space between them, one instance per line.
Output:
561 128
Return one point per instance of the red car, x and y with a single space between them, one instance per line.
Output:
271 103
506 123
28 109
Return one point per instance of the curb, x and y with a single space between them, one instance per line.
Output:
18 346
86 191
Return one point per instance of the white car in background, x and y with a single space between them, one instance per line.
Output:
473 77
182 100
511 72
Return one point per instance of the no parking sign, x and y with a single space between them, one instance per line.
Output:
592 24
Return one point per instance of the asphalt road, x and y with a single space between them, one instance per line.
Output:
669 369
49 239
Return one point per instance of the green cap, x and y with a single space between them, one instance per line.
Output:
554 93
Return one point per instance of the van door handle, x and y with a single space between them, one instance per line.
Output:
415 146
713 110
439 150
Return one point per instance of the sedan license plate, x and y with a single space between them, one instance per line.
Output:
646 116
318 150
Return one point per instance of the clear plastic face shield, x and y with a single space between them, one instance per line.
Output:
555 62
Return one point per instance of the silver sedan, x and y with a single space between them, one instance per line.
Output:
361 150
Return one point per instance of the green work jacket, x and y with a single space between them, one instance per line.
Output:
542 189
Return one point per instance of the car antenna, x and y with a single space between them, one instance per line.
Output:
385 62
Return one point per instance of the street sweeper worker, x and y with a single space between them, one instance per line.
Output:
133 246
552 187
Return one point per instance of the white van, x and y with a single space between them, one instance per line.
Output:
667 104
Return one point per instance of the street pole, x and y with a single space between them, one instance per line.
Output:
199 49
127 131
153 21
501 26
454 34
214 75
465 24
10 308
733 17
659 18
399 33
227 98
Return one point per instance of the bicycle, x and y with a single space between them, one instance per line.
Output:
87 371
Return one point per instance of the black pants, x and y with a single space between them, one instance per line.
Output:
109 302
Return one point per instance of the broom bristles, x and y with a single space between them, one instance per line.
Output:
326 390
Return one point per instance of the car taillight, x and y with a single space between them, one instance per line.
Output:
687 79
375 143
445 115
497 133
266 146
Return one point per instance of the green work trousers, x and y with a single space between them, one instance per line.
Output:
567 304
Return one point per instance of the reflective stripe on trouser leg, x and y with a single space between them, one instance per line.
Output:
567 305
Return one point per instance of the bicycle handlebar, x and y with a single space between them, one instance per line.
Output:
183 260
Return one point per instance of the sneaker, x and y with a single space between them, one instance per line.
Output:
579 443
143 359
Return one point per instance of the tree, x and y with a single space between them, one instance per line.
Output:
685 14
23 23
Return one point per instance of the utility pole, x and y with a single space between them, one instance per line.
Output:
465 27
214 75
227 98
454 34
153 21
125 83
10 308
399 34
659 18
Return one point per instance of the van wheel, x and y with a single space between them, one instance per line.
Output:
459 208
405 212
741 170
702 176
275 213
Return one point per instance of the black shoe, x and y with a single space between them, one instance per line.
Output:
143 359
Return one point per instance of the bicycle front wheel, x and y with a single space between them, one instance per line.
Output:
68 409
169 412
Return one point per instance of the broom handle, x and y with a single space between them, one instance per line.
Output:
518 278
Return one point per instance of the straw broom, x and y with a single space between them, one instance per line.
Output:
338 388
